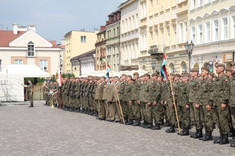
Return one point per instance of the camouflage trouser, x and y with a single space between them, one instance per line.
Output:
198 117
207 119
101 109
31 100
124 109
222 117
157 113
171 114
130 111
95 104
90 103
232 109
184 115
117 111
136 110
191 111
111 111
107 111
142 106
148 113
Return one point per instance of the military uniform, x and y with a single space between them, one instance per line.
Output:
30 93
232 104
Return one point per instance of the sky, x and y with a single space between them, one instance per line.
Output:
54 18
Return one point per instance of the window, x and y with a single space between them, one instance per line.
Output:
193 4
181 32
185 32
175 33
18 61
208 32
200 35
169 36
200 3
30 48
216 30
233 26
44 64
193 35
224 28
0 65
83 39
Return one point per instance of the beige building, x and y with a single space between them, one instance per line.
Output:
212 30
77 43
113 40
101 57
23 45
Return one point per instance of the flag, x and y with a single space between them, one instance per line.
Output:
108 71
163 68
59 77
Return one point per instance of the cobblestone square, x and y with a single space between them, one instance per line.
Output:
44 131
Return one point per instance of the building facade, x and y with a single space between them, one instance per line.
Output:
77 43
212 30
101 57
129 35
113 40
23 45
85 63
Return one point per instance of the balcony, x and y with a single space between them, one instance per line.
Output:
167 16
182 9
173 14
161 18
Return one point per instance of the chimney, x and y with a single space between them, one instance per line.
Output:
15 28
32 27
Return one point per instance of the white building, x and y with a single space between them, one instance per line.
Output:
212 30
85 63
129 38
23 45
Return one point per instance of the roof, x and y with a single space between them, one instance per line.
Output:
7 36
83 55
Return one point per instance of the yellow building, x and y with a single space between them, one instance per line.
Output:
163 27
77 43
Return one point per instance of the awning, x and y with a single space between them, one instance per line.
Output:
25 70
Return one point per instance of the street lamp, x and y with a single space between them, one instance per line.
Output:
153 64
189 50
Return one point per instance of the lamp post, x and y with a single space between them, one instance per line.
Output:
189 51
153 64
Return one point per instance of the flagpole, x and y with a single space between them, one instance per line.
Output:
173 96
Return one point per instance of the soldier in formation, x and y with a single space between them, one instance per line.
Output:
186 100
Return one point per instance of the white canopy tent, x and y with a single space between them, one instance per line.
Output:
12 78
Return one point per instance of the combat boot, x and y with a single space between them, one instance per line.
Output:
217 140
148 125
231 133
156 127
136 123
224 139
130 122
171 129
232 142
185 132
207 136
198 134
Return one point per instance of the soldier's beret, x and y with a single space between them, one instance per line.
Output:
232 64
129 76
185 75
205 68
228 69
172 74
219 65
195 70
123 74
135 73
177 75
147 74
154 74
